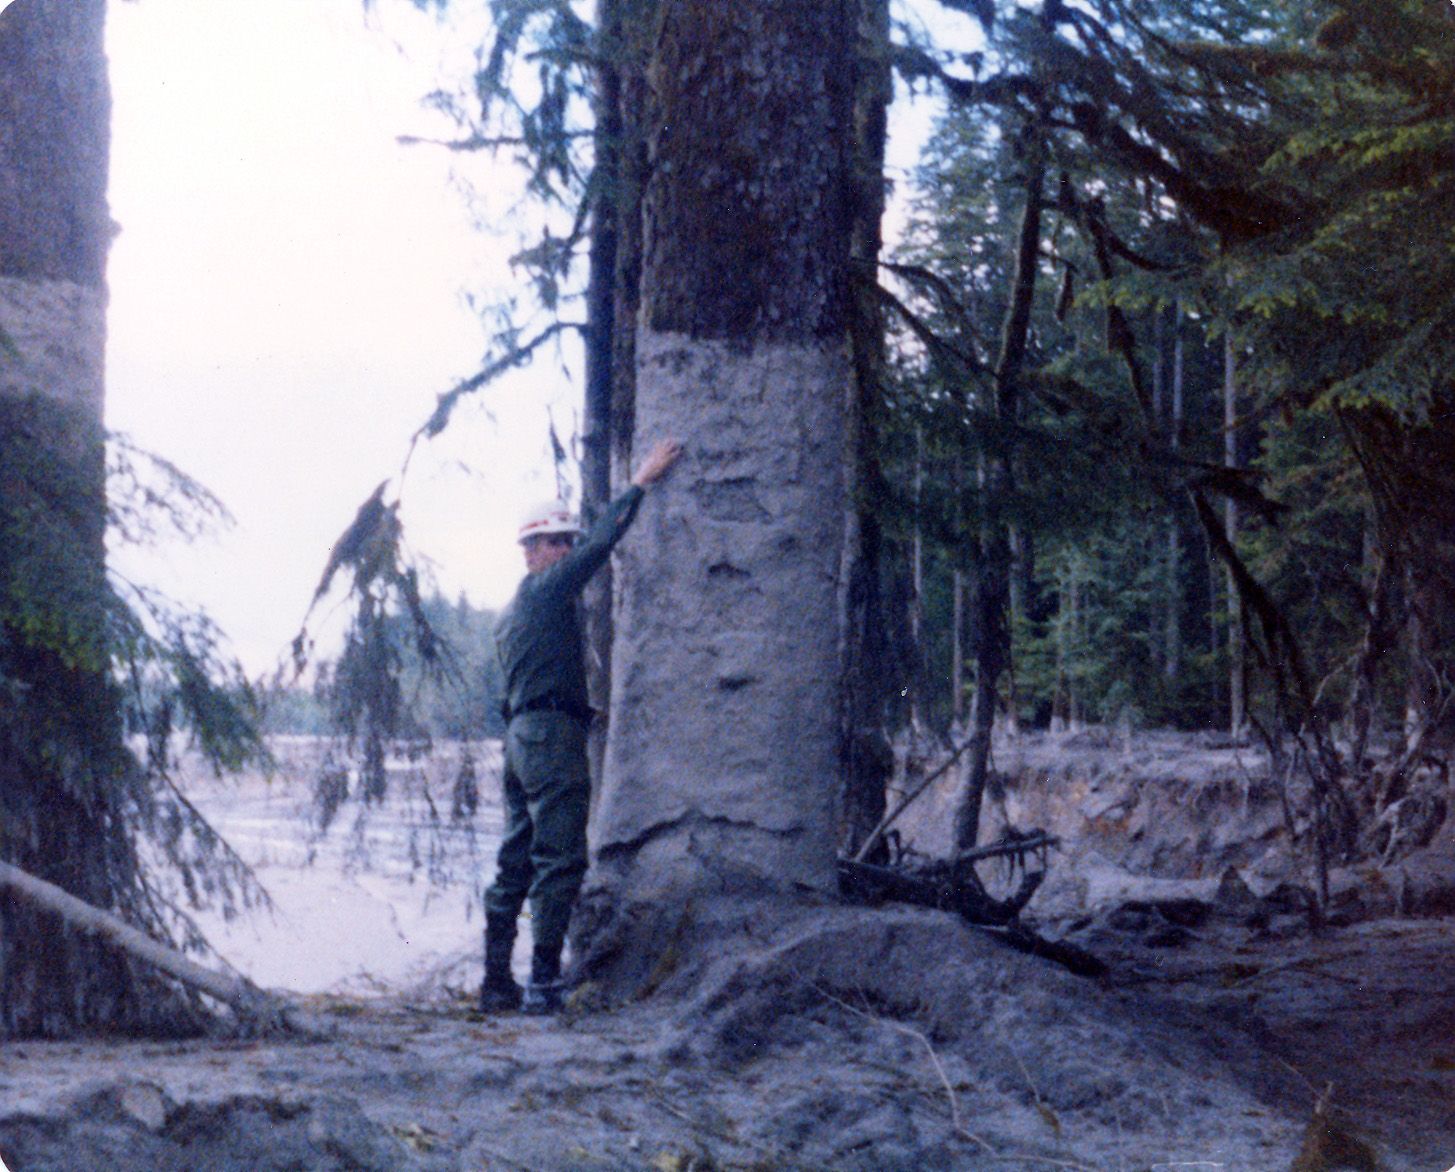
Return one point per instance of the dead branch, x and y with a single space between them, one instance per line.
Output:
1036 840
262 1011
946 889
893 815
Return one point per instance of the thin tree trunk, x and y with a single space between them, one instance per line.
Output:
724 747
957 650
1237 667
992 571
1075 721
917 597
1378 640
867 757
601 298
1022 584
1172 630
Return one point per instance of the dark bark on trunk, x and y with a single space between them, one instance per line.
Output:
990 573
67 784
1378 640
1172 635
867 758
1237 666
957 649
600 331
725 743
624 41
1409 466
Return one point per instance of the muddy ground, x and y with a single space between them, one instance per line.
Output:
822 1036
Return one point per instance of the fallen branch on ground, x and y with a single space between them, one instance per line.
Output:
261 1011
1036 840
954 887
949 889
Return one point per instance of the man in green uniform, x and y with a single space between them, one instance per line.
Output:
546 782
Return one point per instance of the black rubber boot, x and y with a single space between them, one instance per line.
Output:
545 992
499 993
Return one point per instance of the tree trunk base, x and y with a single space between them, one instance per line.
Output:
706 950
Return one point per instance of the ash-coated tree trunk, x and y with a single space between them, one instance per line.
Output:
724 752
63 764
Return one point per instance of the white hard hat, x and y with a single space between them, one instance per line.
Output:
548 517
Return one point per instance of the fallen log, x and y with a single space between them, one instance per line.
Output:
259 1010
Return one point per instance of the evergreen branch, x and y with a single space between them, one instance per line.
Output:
513 357
933 340
253 891
942 290
366 533
479 142
1015 90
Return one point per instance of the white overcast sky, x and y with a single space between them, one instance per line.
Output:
286 298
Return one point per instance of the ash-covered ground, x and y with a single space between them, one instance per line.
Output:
821 1036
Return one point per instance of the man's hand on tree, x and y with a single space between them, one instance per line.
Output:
662 456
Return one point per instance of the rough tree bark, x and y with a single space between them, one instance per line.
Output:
724 747
63 766
1409 465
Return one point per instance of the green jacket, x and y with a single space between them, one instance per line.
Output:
538 634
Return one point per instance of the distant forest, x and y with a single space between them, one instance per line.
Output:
455 697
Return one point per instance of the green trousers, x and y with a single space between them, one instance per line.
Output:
547 792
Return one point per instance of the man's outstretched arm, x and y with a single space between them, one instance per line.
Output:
575 571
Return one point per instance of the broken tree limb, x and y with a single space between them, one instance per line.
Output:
941 889
954 888
1037 840
262 1011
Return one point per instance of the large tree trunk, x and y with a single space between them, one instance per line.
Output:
723 753
1409 465
65 775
